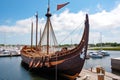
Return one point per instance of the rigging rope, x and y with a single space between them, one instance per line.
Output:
71 33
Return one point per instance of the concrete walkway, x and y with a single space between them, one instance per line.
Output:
88 75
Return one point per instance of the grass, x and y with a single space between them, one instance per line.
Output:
105 48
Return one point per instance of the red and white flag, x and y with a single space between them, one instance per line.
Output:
59 6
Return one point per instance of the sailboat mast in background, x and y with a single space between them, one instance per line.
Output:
31 35
36 28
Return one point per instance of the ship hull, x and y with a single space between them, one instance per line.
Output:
70 66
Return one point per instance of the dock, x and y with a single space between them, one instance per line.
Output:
115 63
9 55
94 75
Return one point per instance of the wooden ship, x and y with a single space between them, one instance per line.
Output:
44 57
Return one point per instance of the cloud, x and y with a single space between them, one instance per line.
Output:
20 26
67 20
106 19
108 23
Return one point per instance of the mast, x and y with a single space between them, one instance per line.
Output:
31 35
40 38
101 41
48 36
36 29
48 15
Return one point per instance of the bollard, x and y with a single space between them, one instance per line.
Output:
91 69
100 76
103 71
98 69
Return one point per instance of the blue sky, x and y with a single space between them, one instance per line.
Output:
16 16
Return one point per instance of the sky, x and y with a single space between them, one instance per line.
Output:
16 17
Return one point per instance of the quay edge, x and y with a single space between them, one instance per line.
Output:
115 63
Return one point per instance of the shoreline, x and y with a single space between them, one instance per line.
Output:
105 48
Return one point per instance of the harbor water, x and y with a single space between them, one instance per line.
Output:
11 68
104 62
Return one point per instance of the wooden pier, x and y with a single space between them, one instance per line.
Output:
94 75
115 63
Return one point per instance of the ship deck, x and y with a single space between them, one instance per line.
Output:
36 54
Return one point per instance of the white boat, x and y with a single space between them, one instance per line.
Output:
103 52
95 55
9 52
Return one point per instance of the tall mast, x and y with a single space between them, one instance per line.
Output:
36 28
40 39
31 35
48 15
101 41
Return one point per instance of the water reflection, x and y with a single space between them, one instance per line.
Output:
43 74
105 62
46 76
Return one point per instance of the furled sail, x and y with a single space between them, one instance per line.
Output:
52 37
48 38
